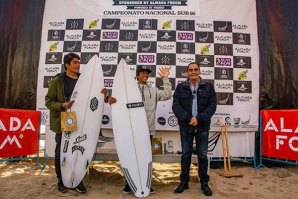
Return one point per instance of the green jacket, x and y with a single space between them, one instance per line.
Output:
54 100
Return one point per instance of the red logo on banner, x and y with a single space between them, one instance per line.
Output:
280 134
18 132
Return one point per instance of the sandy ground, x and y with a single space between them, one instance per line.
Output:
25 180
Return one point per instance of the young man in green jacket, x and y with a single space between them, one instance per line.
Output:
58 100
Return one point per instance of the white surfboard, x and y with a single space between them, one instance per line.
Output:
131 132
77 148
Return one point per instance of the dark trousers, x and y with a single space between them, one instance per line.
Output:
201 139
58 139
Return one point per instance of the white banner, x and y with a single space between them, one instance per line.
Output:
223 40
141 8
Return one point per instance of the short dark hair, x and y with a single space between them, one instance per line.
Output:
193 63
69 57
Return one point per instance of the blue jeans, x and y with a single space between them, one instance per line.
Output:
201 139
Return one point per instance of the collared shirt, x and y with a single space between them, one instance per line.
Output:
194 98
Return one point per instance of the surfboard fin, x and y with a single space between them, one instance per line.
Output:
72 177
87 168
63 162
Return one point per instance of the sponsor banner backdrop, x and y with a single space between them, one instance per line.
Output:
223 40
18 132
182 8
280 134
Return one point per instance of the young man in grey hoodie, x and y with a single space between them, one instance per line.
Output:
150 97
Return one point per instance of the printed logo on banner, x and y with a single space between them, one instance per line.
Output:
243 98
85 57
130 58
207 73
240 27
185 48
11 141
105 119
52 69
56 24
184 59
109 46
242 50
219 118
242 62
185 36
167 25
223 49
166 35
159 83
224 73
146 59
181 72
224 98
147 36
242 87
109 70
74 24
108 58
188 25
108 82
241 38
93 23
223 61
204 37
165 59
90 46
166 47
148 24
146 46
56 35
127 46
53 46
53 58
224 86
205 60
128 35
73 35
223 37
109 35
242 75
245 122
205 49
128 24
228 121
110 24
222 26
91 35
47 80
204 26
72 46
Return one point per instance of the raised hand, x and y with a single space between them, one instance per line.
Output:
164 72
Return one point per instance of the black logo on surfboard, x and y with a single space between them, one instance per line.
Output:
135 105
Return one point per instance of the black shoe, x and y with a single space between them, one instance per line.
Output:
206 190
181 187
81 188
126 189
152 190
61 187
